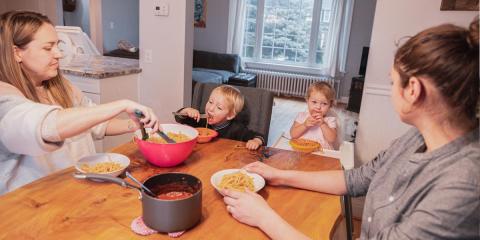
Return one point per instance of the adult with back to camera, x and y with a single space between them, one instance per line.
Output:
426 185
46 123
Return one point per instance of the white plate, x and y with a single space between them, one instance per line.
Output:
216 178
123 160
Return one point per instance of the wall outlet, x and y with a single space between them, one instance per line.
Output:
148 56
112 25
160 8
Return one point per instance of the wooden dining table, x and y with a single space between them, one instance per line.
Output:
59 206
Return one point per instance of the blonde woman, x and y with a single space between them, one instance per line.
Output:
46 123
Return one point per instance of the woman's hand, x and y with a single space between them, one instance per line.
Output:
271 174
191 113
247 207
150 120
253 144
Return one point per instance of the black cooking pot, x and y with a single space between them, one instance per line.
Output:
165 215
172 215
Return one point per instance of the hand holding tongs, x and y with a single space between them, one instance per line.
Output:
139 114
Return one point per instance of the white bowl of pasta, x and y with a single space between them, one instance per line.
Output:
237 179
112 164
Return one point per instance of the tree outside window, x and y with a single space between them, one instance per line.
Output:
283 34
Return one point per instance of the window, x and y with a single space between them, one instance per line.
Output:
296 34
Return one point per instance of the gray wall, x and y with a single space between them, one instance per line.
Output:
3 6
80 17
48 7
360 34
120 22
214 37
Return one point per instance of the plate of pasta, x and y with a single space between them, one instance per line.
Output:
112 164
237 179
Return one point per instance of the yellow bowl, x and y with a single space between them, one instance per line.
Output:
305 145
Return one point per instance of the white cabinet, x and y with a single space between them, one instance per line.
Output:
106 90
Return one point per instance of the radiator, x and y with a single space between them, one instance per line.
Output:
291 84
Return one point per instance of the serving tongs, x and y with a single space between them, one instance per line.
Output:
116 180
140 115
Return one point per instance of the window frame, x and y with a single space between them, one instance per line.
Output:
310 67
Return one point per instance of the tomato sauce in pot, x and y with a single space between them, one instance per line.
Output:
173 191
174 195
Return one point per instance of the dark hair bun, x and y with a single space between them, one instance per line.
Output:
472 37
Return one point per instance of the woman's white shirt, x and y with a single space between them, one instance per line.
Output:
24 155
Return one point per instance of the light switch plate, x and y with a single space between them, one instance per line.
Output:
160 8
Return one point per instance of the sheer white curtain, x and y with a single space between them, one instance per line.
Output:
333 38
236 26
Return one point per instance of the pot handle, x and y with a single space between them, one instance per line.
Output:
119 181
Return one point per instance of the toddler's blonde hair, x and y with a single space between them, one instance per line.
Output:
234 97
323 88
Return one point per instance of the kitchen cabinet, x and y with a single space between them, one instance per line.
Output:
103 80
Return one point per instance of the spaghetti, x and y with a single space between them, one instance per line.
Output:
103 167
177 137
238 181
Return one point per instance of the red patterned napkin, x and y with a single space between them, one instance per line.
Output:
139 227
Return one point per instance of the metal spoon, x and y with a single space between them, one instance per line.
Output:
203 115
139 183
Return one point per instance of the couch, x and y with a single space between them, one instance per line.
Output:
211 67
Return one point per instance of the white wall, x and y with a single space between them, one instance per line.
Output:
214 37
360 33
165 83
379 124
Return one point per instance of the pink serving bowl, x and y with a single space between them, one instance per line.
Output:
168 154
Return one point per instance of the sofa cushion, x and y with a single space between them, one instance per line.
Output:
205 75
220 61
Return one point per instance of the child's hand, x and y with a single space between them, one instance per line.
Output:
253 144
310 122
192 113
315 119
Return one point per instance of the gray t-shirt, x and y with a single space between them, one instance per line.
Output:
411 194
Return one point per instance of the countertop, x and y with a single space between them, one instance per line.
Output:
99 66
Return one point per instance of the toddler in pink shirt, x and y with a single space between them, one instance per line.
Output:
318 123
